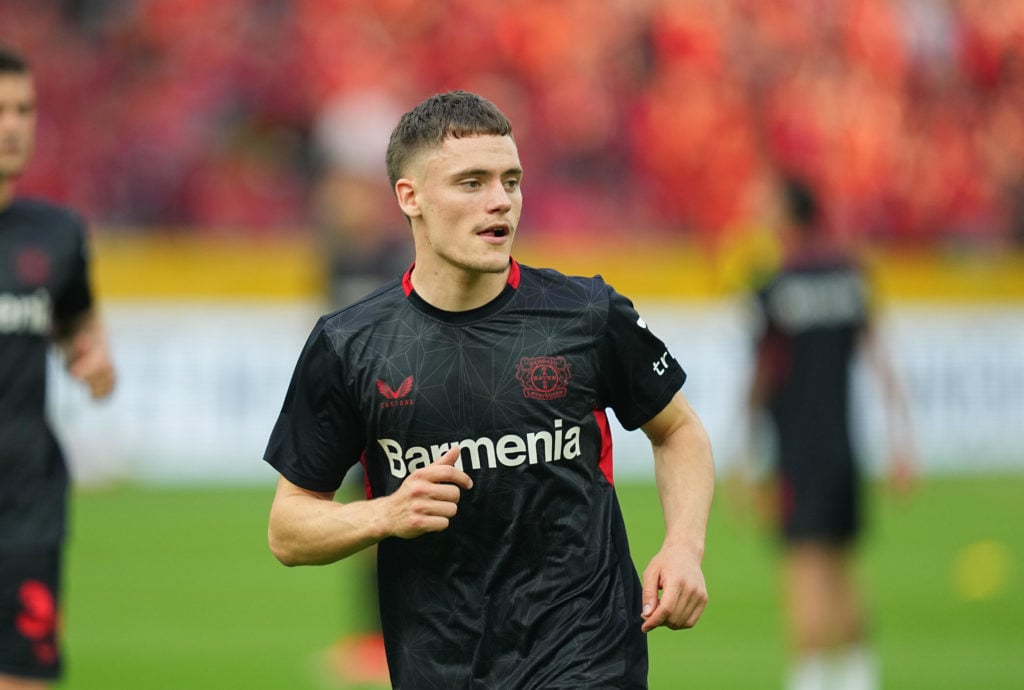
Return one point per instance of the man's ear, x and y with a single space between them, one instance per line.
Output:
405 191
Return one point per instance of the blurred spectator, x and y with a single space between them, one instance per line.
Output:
364 239
659 116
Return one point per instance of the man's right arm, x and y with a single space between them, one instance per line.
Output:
311 528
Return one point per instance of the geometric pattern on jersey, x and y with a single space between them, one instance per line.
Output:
44 284
531 586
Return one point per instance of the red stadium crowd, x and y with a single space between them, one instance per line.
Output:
668 116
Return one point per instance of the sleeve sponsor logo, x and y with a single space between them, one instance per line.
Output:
661 364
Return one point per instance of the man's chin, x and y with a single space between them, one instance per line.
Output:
494 263
11 167
498 266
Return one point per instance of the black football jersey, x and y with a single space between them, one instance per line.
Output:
813 312
44 284
532 584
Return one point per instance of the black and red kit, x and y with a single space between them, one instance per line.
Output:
532 584
44 286
813 312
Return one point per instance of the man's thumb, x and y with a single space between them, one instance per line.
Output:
451 457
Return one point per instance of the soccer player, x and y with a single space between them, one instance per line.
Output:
474 391
814 315
45 297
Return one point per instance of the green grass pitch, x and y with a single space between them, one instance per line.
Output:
175 588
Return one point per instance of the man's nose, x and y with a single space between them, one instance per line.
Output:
498 198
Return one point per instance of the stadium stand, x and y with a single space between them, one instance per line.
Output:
661 115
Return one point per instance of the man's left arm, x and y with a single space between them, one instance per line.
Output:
674 591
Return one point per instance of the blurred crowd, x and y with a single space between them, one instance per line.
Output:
664 116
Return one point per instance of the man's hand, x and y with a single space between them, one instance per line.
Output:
89 362
677 575
428 498
902 474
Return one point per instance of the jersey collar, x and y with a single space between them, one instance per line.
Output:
472 315
513 276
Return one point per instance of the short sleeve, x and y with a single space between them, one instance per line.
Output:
74 296
318 435
640 374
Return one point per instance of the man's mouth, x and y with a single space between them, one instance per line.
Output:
496 231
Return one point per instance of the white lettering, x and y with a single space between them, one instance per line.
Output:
660 366
802 302
418 457
572 448
393 452
510 450
25 313
473 447
532 440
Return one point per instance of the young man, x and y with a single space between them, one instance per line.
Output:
473 390
45 297
814 316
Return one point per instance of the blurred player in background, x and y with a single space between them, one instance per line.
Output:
362 236
364 246
473 391
814 316
45 298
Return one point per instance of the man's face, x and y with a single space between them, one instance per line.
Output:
17 122
465 201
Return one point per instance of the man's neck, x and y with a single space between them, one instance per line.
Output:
455 290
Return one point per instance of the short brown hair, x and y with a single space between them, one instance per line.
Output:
453 114
11 62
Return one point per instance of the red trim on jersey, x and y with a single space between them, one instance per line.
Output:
605 461
407 281
513 276
366 477
513 273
